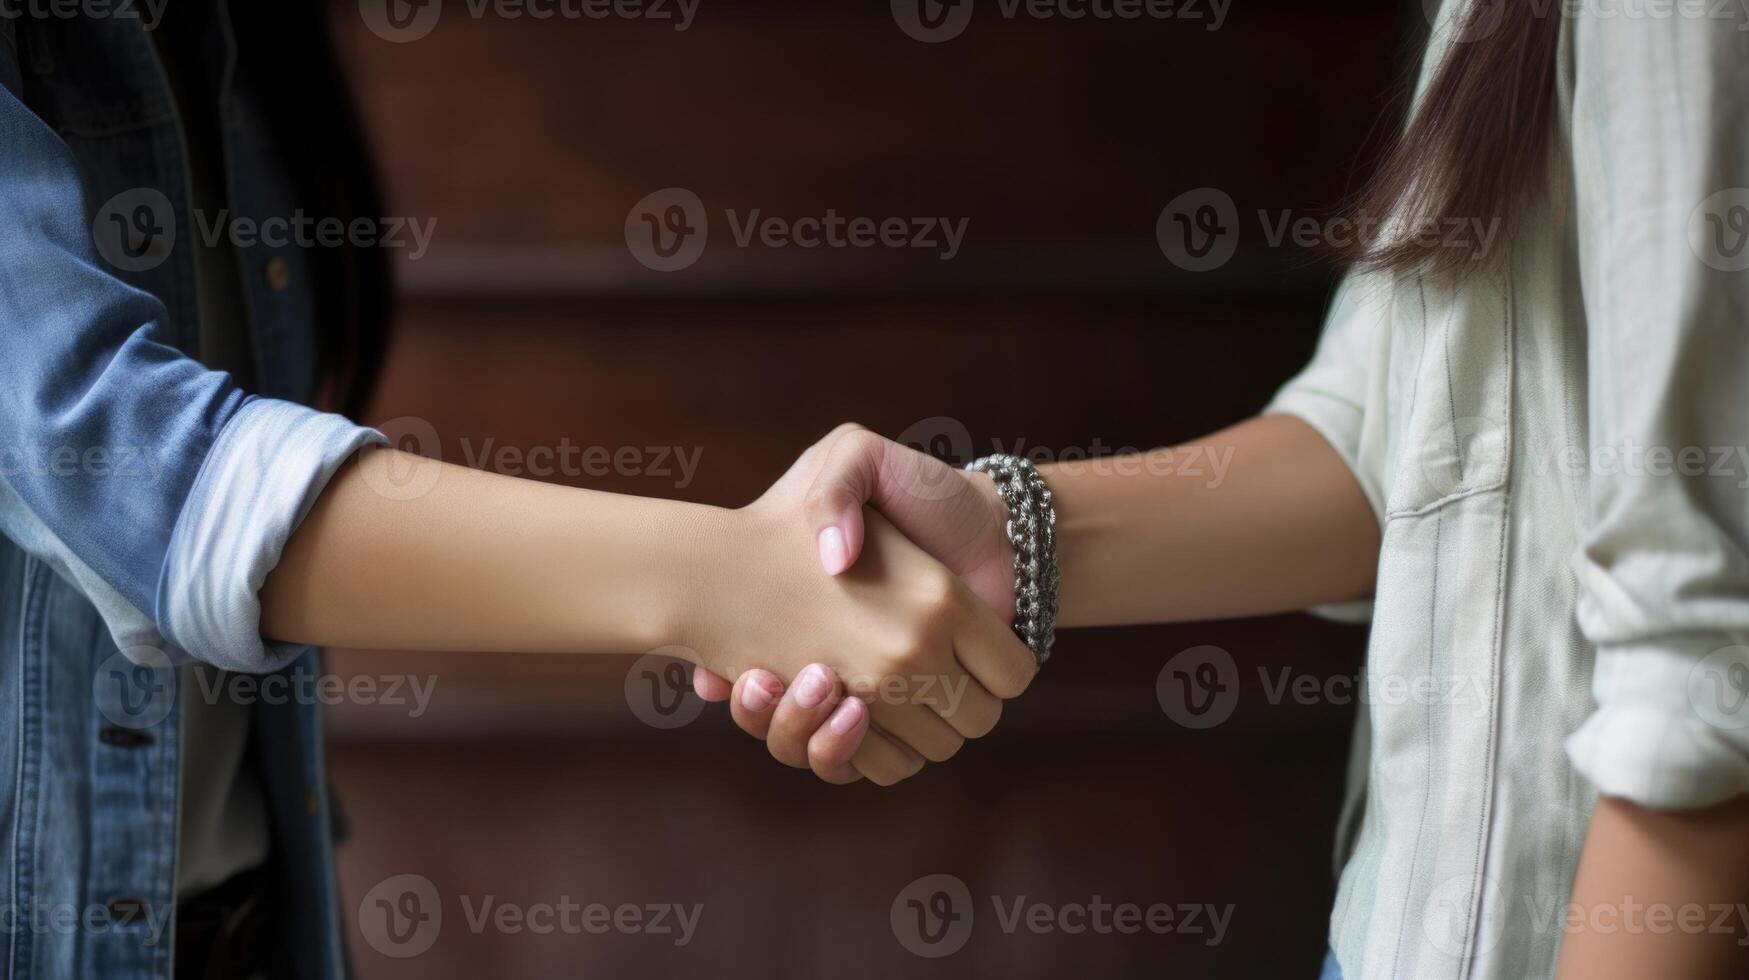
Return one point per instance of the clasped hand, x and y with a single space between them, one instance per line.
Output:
893 645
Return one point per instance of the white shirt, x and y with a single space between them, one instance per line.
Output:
1557 454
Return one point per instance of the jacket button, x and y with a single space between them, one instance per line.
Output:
127 911
278 275
123 737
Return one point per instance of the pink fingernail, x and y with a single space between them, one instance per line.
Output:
813 686
834 556
756 696
846 717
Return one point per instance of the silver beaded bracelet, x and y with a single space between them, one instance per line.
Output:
1032 529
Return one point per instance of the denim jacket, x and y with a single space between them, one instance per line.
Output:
143 501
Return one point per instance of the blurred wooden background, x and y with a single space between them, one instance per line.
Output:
1060 324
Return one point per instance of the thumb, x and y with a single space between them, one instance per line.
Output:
846 479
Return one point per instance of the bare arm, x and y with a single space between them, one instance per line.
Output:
1268 518
400 552
480 561
1281 524
1660 894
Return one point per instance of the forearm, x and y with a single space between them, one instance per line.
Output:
1659 895
1147 539
485 562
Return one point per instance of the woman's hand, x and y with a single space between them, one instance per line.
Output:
927 658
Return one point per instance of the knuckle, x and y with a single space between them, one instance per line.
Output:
860 441
979 724
820 757
751 724
820 498
843 429
912 765
1016 680
785 751
944 749
939 593
905 656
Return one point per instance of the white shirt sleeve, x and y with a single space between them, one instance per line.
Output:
1661 160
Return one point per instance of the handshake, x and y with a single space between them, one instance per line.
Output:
891 648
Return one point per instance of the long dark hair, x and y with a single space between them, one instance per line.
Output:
292 67
1476 147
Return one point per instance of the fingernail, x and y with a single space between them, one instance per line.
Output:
834 556
813 686
846 717
756 696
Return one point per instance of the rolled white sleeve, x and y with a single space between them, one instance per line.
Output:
266 469
1661 153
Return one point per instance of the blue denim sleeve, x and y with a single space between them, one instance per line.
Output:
153 484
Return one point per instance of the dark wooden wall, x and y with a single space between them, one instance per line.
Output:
1060 324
